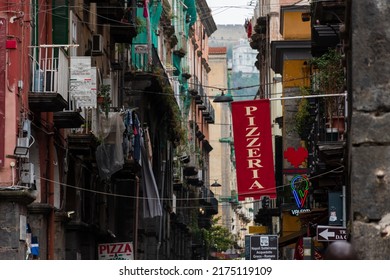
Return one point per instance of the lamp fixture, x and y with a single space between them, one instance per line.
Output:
22 147
223 98
23 143
216 184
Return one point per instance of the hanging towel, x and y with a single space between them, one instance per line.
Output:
152 206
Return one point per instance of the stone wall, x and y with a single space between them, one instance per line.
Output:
370 139
12 231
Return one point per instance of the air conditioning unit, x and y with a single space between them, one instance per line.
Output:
97 44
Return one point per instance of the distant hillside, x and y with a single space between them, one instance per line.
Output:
227 35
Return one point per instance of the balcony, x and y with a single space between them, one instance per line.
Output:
122 20
146 73
48 93
202 100
49 90
324 37
327 15
326 141
208 112
82 144
209 202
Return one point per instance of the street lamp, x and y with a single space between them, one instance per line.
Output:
223 98
22 147
216 184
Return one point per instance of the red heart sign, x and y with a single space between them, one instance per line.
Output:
296 157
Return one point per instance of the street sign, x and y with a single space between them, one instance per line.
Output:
261 247
329 233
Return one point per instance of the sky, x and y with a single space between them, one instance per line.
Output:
231 11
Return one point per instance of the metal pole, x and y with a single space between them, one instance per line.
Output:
344 206
162 214
307 96
136 218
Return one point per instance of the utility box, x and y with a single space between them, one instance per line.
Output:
27 174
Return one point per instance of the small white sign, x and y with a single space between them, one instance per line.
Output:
116 251
141 48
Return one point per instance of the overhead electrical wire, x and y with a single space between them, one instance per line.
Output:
337 169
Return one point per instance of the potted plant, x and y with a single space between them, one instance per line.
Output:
104 98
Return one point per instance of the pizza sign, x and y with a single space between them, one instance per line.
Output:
116 251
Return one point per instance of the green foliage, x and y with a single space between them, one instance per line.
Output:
105 92
174 117
140 24
218 237
330 73
329 78
302 118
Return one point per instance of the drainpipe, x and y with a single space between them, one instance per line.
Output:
149 33
50 166
162 214
136 217
50 194
344 199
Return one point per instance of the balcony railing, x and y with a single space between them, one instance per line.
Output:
50 70
49 90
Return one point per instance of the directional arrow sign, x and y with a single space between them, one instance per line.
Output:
329 233
326 234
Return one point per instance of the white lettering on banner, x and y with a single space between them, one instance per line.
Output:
255 173
253 147
249 110
253 152
253 141
252 163
256 185
251 131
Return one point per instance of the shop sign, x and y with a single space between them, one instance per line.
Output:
253 149
116 251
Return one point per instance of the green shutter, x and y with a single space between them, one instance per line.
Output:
60 21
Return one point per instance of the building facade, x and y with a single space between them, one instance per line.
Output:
292 39
96 116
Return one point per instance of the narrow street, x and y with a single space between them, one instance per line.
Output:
183 130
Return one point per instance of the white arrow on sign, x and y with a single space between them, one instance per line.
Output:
326 234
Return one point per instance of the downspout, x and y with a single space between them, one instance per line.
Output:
50 171
162 214
136 217
50 167
149 33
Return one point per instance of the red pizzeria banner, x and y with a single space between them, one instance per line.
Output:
253 149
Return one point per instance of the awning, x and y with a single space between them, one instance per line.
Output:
291 238
191 11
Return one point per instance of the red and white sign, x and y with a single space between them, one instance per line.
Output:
116 251
253 148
